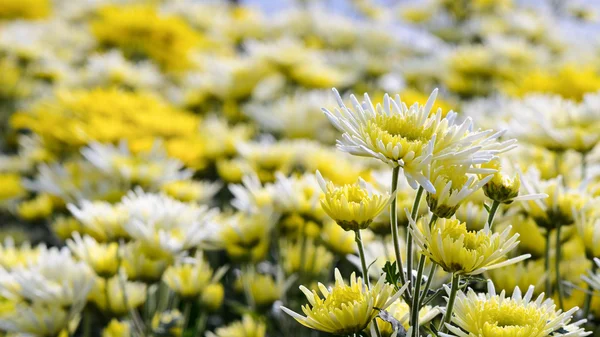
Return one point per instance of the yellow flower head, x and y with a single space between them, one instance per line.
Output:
37 208
345 308
452 185
189 277
317 259
11 186
212 296
522 274
457 250
12 256
495 315
168 324
588 228
117 303
248 327
28 9
117 328
245 237
140 30
354 206
263 289
401 311
191 191
501 187
337 240
143 263
101 257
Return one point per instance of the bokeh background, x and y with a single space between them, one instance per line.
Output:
183 110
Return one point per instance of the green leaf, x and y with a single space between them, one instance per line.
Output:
392 276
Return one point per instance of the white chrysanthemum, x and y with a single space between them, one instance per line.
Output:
168 224
54 278
295 116
112 68
495 315
192 190
101 219
593 278
36 320
412 137
251 196
74 182
148 169
298 194
556 123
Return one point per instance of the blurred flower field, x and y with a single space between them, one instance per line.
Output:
183 168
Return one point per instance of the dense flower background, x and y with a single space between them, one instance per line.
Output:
214 168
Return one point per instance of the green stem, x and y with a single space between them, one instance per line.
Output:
361 253
588 296
201 324
365 269
557 268
394 223
187 310
87 323
583 165
492 213
450 305
414 320
409 240
428 284
547 263
107 295
247 288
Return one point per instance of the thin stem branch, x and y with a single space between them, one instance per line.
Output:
428 284
365 269
394 223
492 213
588 296
547 264
450 305
557 268
247 289
414 320
409 240
187 310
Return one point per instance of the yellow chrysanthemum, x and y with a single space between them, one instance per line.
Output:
317 259
25 9
189 277
168 324
353 207
212 297
495 315
522 275
113 300
140 30
101 257
116 328
401 311
457 250
245 237
346 308
337 240
11 186
248 327
452 185
263 289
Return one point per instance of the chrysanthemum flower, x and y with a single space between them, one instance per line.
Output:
411 138
452 186
103 258
168 323
522 275
593 279
458 250
588 228
188 277
561 205
504 189
248 327
36 319
245 237
109 297
167 224
317 259
191 190
100 219
495 315
401 311
345 309
354 206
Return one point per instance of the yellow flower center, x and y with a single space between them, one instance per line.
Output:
510 319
